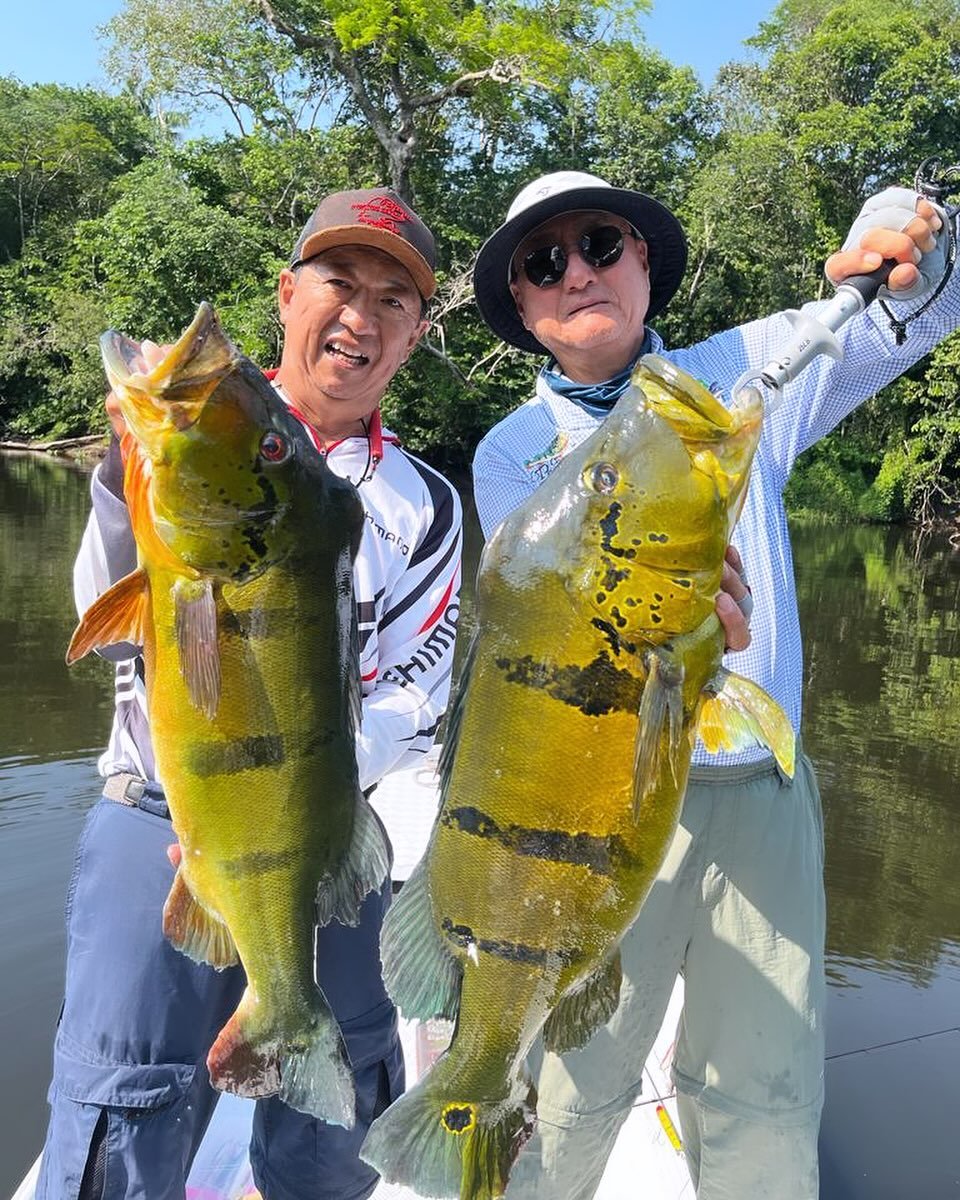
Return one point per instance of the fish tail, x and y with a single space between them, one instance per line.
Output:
315 1077
310 1072
441 1144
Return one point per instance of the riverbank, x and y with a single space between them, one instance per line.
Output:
91 446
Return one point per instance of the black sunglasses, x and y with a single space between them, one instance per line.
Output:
600 246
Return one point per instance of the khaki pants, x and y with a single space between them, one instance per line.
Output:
738 907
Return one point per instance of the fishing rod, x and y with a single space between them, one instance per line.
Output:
814 335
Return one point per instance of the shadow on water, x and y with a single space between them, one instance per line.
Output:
882 637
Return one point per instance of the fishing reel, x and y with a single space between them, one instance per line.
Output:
817 335
938 183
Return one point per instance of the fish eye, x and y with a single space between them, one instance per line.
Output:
604 477
274 448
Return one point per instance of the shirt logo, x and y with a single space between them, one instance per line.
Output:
543 463
383 212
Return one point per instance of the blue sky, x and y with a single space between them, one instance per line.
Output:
54 41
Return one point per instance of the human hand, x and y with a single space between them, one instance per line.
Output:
734 602
151 355
897 224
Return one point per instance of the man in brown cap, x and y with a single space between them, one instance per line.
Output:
130 1098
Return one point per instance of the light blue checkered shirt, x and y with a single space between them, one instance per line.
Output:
520 451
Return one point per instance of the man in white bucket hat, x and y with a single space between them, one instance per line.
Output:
575 273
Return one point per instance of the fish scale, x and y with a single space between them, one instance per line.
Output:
597 657
243 603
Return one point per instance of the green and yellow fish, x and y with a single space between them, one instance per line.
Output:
243 603
596 662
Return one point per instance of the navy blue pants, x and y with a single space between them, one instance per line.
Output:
130 1097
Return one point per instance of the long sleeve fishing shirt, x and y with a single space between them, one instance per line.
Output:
407 586
518 454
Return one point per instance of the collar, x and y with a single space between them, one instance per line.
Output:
376 434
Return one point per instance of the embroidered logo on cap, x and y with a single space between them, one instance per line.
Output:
382 212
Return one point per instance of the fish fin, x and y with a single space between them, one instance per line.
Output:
199 933
353 682
580 1013
661 710
119 615
363 869
314 1076
438 1144
421 975
454 718
737 712
196 625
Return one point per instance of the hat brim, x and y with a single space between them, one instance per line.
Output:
666 251
381 239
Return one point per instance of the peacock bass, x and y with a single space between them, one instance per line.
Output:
597 661
243 604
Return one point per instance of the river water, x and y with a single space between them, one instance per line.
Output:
881 620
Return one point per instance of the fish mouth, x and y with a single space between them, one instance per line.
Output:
177 387
694 412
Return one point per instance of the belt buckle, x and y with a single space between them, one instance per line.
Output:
133 792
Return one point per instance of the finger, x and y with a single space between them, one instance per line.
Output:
922 234
929 213
175 854
903 276
735 627
844 263
732 583
152 353
114 412
890 244
732 556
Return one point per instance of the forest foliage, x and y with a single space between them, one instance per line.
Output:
115 212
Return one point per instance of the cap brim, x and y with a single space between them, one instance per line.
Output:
666 250
382 239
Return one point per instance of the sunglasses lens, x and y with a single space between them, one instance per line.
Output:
545 266
602 246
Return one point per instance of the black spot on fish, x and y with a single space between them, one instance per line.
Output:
613 576
457 1119
617 643
266 487
609 527
618 616
259 862
253 536
510 951
257 624
658 597
656 618
600 687
600 597
659 537
600 855
207 759
684 583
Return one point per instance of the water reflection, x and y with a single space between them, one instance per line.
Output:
882 628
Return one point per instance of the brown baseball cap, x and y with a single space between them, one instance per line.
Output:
371 217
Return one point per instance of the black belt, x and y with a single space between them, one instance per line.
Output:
135 792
